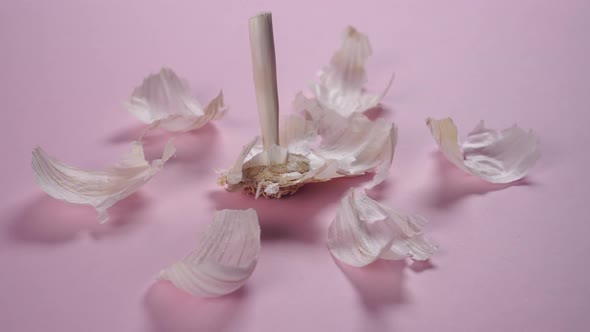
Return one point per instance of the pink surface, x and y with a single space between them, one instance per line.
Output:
512 258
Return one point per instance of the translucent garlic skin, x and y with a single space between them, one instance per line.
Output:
496 156
165 100
100 189
341 84
321 147
225 257
364 231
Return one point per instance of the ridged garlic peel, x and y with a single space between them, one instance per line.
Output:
364 231
496 156
165 100
224 259
98 188
341 84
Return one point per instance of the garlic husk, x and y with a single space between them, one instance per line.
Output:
165 100
322 146
364 231
358 144
98 188
496 156
340 85
225 257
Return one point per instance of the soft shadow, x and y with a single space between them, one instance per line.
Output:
453 184
48 220
421 266
127 135
292 217
380 285
171 309
378 112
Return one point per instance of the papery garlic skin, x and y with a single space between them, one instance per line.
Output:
495 156
165 100
225 257
98 188
340 85
356 143
333 139
364 231
318 149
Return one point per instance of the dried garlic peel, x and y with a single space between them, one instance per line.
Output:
98 188
364 231
224 259
494 156
165 100
341 83
350 145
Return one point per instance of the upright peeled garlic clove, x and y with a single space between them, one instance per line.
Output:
265 77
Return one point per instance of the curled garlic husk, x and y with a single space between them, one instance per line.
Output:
225 257
165 100
364 231
496 156
98 188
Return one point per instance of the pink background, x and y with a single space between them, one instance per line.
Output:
512 258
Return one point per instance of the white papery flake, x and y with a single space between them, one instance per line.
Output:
341 84
98 188
495 156
224 259
165 100
364 231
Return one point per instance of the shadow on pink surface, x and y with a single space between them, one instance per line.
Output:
172 310
193 148
421 266
293 217
380 285
48 220
378 112
452 184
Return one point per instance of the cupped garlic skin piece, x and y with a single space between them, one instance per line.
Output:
341 83
225 257
364 231
165 100
496 156
356 143
98 188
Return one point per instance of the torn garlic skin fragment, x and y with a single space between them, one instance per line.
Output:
318 147
224 259
495 156
340 85
98 188
364 231
165 100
